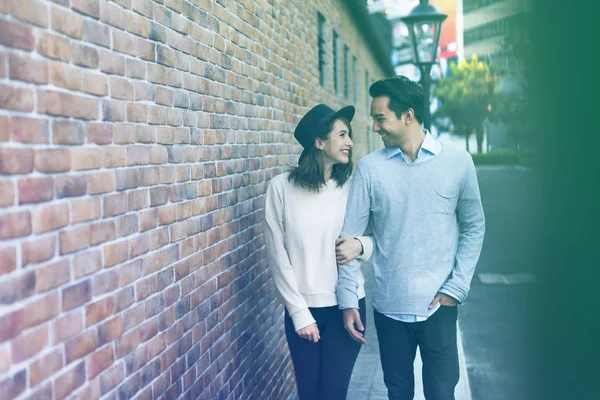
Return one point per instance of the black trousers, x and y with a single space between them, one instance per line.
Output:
323 369
436 338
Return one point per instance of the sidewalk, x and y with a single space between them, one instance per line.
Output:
367 378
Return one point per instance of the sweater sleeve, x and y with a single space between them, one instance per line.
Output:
355 223
279 262
367 244
471 223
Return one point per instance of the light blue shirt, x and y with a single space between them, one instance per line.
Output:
429 149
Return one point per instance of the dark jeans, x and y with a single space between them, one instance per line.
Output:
323 369
436 338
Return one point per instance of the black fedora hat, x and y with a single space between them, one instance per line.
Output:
312 123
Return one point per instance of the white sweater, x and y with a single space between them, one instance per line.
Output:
301 228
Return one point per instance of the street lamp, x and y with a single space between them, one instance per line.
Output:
424 23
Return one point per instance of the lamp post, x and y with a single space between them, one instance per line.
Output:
424 23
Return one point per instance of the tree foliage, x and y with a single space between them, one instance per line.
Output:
468 97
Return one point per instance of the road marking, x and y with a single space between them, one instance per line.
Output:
506 279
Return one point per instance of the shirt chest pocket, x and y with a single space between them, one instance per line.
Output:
445 200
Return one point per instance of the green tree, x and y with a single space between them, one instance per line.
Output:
469 97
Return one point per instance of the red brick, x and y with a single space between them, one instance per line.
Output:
52 275
28 69
127 178
112 377
130 272
167 214
11 387
85 56
69 381
105 282
138 155
99 361
16 98
16 161
74 239
45 367
110 330
31 11
145 287
138 199
54 46
35 190
94 32
69 23
86 158
137 112
29 344
148 219
95 84
121 88
68 325
67 132
65 104
4 357
29 130
159 238
111 63
7 194
114 156
127 225
123 299
53 160
41 310
85 210
17 287
88 7
8 259
101 182
70 186
16 35
42 392
138 246
65 76
11 324
81 345
116 253
99 310
127 343
102 232
15 224
38 250
98 133
76 295
87 263
116 204
50 217
159 195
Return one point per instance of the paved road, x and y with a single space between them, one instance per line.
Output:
496 318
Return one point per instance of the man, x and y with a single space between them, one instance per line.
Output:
422 199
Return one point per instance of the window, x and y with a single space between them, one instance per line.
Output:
336 82
499 27
473 5
321 48
346 88
355 77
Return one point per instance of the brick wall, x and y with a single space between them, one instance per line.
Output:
136 141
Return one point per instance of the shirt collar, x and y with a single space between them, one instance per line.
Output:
429 145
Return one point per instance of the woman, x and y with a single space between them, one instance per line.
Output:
304 213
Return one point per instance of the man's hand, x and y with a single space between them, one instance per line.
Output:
444 299
352 318
347 249
310 332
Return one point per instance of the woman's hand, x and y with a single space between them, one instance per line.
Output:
310 332
347 249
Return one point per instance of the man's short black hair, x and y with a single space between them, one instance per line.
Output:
403 94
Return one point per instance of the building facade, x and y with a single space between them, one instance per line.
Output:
137 138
